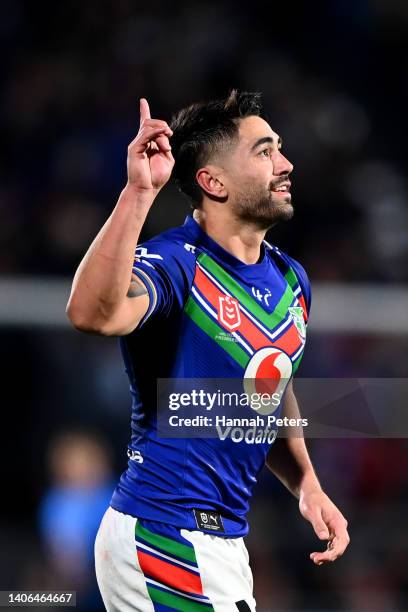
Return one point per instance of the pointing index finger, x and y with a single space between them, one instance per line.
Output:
144 110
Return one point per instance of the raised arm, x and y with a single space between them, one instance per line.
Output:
106 298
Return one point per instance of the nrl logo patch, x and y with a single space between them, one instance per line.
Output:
228 312
296 313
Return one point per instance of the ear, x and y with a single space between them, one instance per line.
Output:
210 180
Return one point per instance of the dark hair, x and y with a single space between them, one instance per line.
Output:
204 129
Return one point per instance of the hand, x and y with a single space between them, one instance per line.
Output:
150 161
328 523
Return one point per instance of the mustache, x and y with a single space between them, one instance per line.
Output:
279 181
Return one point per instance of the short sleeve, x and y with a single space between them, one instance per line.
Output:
163 268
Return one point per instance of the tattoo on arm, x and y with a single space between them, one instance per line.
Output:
136 289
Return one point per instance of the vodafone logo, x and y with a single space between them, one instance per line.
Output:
228 312
268 372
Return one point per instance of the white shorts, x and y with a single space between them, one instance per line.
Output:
146 566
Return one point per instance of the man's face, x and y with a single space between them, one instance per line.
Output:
256 175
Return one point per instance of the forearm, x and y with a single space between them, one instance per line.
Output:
290 462
288 458
103 276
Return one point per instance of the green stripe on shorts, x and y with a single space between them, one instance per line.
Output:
165 544
176 602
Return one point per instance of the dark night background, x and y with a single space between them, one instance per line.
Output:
334 75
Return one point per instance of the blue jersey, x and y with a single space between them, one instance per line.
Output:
210 316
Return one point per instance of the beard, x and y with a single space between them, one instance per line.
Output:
263 207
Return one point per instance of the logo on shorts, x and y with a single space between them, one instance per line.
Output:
228 312
208 520
134 455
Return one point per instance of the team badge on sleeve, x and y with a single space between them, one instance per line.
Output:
297 316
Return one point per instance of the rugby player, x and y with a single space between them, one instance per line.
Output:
209 299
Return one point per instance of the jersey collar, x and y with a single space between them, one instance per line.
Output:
201 237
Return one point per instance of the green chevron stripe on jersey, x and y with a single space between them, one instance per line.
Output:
212 329
165 544
175 602
271 320
291 278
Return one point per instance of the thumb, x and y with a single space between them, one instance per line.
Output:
320 527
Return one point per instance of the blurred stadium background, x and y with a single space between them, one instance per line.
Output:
335 78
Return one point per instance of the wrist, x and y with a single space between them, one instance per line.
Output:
309 484
139 197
